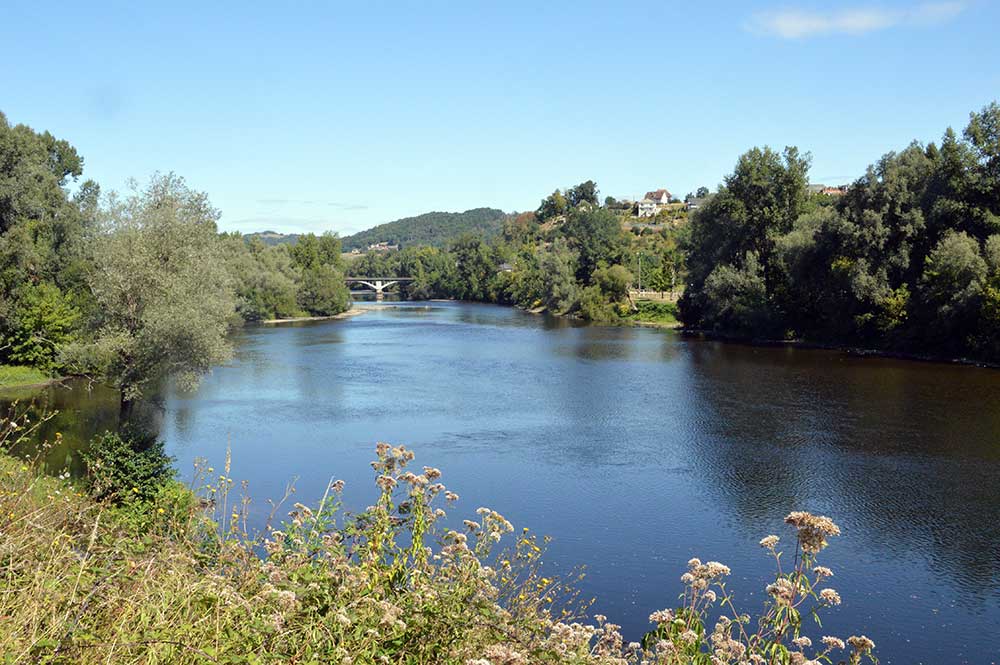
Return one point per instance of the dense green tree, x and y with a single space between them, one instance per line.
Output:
951 287
323 291
736 297
553 205
164 299
613 281
757 204
45 320
265 279
474 268
597 237
42 234
311 251
546 278
585 192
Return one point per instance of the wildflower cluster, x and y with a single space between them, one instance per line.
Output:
681 637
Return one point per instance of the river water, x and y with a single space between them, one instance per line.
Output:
634 449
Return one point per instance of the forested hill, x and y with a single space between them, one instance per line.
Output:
432 228
274 238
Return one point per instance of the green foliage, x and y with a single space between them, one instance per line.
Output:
596 235
613 281
475 269
42 234
163 297
264 279
594 306
546 278
433 228
736 298
311 251
553 205
126 467
323 291
660 313
904 259
585 192
953 280
45 321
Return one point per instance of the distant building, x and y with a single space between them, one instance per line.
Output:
695 202
826 189
653 203
382 247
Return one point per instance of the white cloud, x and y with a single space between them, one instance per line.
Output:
799 23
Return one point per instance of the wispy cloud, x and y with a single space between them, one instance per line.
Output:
801 23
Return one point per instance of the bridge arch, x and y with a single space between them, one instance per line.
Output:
377 284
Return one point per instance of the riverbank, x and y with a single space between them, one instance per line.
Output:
16 376
132 579
354 311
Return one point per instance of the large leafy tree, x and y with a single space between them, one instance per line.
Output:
42 233
596 235
323 291
757 204
585 192
164 300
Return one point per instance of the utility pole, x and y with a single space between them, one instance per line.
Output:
638 260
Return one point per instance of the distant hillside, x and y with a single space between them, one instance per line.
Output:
273 237
432 228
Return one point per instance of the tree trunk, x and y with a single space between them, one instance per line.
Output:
125 409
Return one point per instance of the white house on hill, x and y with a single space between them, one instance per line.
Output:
653 202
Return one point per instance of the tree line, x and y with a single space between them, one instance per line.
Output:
907 259
570 257
132 288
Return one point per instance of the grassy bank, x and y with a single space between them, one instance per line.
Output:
165 574
655 313
13 376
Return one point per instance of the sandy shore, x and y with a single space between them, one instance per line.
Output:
353 311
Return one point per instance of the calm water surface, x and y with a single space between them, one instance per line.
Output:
635 449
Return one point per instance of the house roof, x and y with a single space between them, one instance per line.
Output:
658 194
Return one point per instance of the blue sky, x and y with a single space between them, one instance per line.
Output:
312 116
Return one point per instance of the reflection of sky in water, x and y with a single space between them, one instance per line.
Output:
637 449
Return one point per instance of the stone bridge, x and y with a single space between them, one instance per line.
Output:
377 284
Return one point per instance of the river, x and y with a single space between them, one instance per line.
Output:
634 449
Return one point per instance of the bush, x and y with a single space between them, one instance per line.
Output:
323 291
46 320
656 312
594 305
126 468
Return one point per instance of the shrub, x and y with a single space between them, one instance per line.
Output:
126 467
46 321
